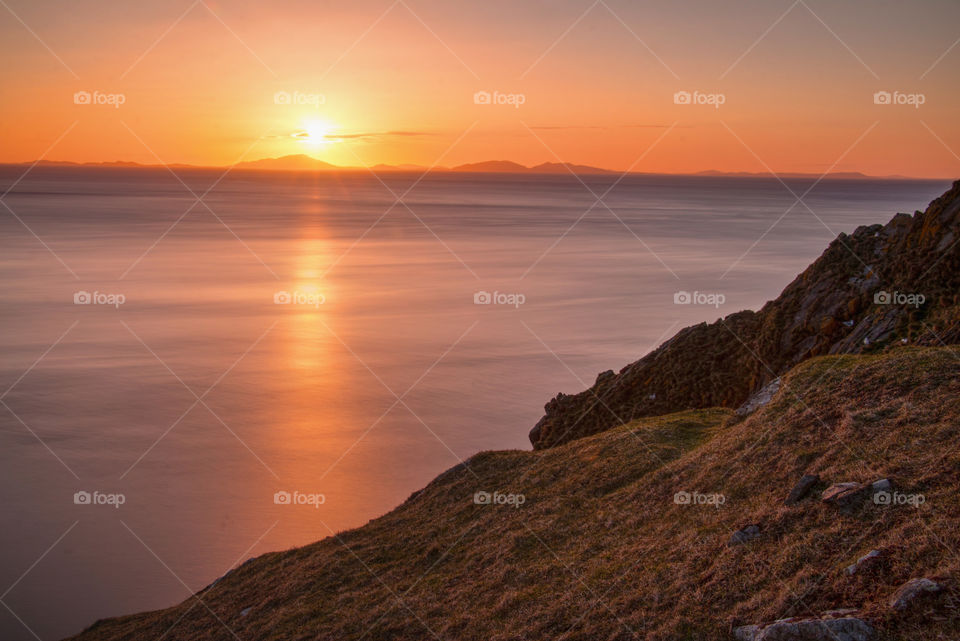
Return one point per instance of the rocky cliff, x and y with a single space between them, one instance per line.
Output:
882 285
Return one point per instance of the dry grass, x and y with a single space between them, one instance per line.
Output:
600 550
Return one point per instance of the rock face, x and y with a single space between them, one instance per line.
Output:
911 590
845 628
802 488
862 294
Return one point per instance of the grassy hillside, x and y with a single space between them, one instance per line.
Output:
599 549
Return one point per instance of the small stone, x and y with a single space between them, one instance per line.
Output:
883 485
807 629
743 535
911 590
866 560
802 488
244 612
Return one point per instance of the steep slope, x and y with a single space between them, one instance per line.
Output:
838 305
602 546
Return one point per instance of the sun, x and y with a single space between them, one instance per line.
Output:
317 132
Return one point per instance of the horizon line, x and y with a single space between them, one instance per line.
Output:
507 167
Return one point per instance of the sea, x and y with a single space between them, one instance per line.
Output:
199 367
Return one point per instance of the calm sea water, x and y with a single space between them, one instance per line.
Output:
185 391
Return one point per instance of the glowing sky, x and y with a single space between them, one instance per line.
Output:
395 81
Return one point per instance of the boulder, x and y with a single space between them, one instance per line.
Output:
802 488
827 628
911 590
745 534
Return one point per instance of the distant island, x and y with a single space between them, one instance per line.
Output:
304 162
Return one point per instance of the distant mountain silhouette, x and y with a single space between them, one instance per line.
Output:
303 162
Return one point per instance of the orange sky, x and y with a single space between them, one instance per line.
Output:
397 80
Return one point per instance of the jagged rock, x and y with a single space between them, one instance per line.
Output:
828 309
802 488
743 535
911 590
844 628
845 495
865 561
760 398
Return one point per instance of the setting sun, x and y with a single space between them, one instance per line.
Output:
317 132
